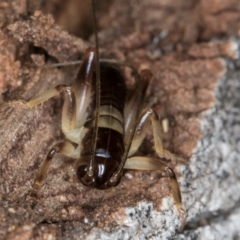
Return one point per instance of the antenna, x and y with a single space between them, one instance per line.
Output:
98 90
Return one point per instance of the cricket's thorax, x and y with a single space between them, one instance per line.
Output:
110 137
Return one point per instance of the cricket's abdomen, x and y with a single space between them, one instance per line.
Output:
110 136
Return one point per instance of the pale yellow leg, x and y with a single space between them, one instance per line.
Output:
64 148
69 104
148 163
43 97
140 134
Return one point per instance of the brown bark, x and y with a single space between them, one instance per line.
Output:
173 39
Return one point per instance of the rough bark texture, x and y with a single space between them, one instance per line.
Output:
192 48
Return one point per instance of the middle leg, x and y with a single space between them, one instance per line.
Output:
140 134
69 105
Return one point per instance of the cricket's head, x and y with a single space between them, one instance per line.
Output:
101 176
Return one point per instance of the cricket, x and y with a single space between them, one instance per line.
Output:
104 126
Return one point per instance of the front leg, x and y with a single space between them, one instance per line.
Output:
148 163
65 148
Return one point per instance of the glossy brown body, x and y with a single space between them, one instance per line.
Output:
110 140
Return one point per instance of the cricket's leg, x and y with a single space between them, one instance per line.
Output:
65 148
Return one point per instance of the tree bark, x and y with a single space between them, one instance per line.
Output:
195 88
